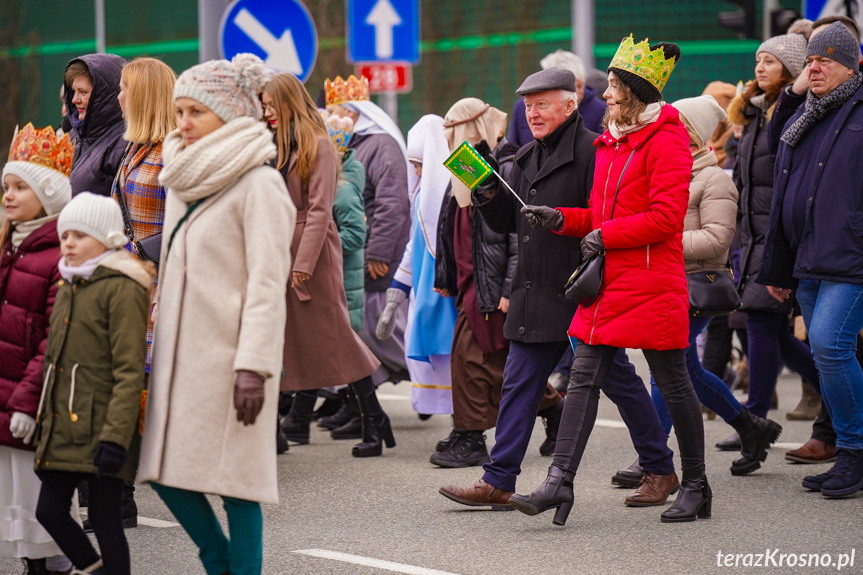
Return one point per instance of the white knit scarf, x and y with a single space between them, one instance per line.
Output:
216 161
22 230
648 116
85 270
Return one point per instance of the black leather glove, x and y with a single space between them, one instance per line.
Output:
543 217
490 184
248 396
592 244
108 458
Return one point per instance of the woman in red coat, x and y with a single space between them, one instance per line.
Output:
36 186
637 207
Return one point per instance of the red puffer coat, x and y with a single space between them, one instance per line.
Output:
28 284
644 302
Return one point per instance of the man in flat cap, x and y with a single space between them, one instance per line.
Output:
813 244
556 169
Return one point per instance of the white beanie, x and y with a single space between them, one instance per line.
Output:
96 216
702 113
228 89
50 186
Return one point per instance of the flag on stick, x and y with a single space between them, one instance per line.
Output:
469 167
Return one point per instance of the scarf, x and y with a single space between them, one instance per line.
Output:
648 116
22 230
471 120
816 108
85 270
216 161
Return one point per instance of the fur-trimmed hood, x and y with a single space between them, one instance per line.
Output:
125 263
741 113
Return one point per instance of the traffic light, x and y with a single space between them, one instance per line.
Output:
741 20
781 20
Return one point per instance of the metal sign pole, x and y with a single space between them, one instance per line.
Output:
390 101
583 31
100 26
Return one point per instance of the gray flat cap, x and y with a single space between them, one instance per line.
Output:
549 79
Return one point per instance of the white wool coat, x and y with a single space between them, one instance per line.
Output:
221 309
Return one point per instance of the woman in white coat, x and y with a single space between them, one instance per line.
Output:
217 350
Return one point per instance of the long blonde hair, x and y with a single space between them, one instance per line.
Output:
290 98
150 114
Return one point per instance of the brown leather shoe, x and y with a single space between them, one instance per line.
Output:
480 494
653 490
813 451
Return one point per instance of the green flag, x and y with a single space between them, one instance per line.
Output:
468 166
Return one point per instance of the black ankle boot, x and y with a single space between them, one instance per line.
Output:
347 411
551 419
694 500
34 567
353 429
555 491
281 440
296 424
375 423
756 435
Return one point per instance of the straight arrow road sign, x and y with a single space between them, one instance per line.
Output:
383 31
383 18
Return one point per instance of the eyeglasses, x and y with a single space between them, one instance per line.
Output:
268 108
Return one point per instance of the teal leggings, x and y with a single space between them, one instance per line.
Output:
243 554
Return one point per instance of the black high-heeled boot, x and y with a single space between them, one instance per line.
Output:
376 425
555 491
695 499
756 435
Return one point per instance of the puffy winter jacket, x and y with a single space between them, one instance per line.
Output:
643 302
710 218
494 254
351 221
28 285
99 143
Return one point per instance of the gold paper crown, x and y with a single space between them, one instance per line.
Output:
645 63
340 91
42 147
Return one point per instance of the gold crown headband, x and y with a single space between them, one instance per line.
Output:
42 147
645 63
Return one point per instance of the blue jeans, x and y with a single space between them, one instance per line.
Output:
771 344
833 313
711 390
243 554
525 375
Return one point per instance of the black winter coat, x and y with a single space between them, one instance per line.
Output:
538 310
99 144
831 243
494 254
753 176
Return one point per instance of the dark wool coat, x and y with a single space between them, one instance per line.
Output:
644 300
28 279
350 220
387 204
831 243
494 255
753 176
94 367
321 348
538 310
99 143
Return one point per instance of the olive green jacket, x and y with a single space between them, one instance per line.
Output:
94 367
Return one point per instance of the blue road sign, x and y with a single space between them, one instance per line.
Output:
281 32
383 30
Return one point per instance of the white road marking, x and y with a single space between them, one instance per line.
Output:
393 396
370 562
613 423
148 521
787 444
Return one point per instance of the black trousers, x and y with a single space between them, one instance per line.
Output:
589 373
104 510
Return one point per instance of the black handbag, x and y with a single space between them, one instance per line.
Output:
712 293
148 249
585 282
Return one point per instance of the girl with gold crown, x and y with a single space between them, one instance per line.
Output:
36 187
635 219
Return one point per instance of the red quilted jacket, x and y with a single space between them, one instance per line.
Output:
644 303
28 284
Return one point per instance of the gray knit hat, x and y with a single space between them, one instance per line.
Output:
837 43
229 89
790 48
96 216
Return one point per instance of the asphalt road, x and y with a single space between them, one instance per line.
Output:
340 515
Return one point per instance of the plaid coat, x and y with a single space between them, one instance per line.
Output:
144 197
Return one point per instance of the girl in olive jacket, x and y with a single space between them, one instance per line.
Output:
94 374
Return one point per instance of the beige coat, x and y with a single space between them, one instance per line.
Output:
221 309
710 218
321 348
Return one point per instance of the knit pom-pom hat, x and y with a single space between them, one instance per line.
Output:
96 216
229 89
790 48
